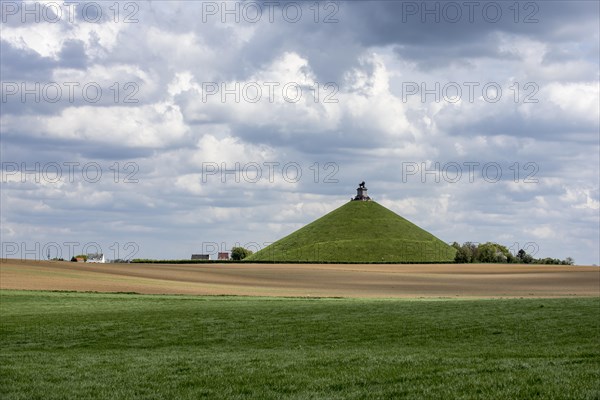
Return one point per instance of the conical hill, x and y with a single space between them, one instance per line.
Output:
359 231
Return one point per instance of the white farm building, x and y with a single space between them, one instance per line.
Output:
96 258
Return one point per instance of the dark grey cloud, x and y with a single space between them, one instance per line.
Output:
432 39
24 64
394 22
72 54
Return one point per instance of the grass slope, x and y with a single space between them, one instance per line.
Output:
359 231
100 346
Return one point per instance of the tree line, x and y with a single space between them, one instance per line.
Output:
489 252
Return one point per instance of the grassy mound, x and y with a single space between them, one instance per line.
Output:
358 231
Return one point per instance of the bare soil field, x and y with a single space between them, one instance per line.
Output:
307 280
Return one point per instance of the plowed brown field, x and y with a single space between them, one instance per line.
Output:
322 280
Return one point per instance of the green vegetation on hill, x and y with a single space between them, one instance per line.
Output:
119 346
359 231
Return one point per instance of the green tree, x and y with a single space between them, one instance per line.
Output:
239 253
524 258
493 253
464 253
569 261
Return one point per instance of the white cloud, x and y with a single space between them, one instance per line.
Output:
542 232
580 198
47 38
579 100
154 125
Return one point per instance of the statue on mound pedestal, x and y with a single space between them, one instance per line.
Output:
361 193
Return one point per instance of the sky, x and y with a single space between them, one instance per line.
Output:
165 128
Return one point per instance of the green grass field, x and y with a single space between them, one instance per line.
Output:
57 345
358 231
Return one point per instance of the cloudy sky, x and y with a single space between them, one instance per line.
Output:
165 128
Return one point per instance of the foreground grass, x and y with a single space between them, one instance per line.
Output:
82 345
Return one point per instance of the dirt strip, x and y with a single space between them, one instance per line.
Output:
318 280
